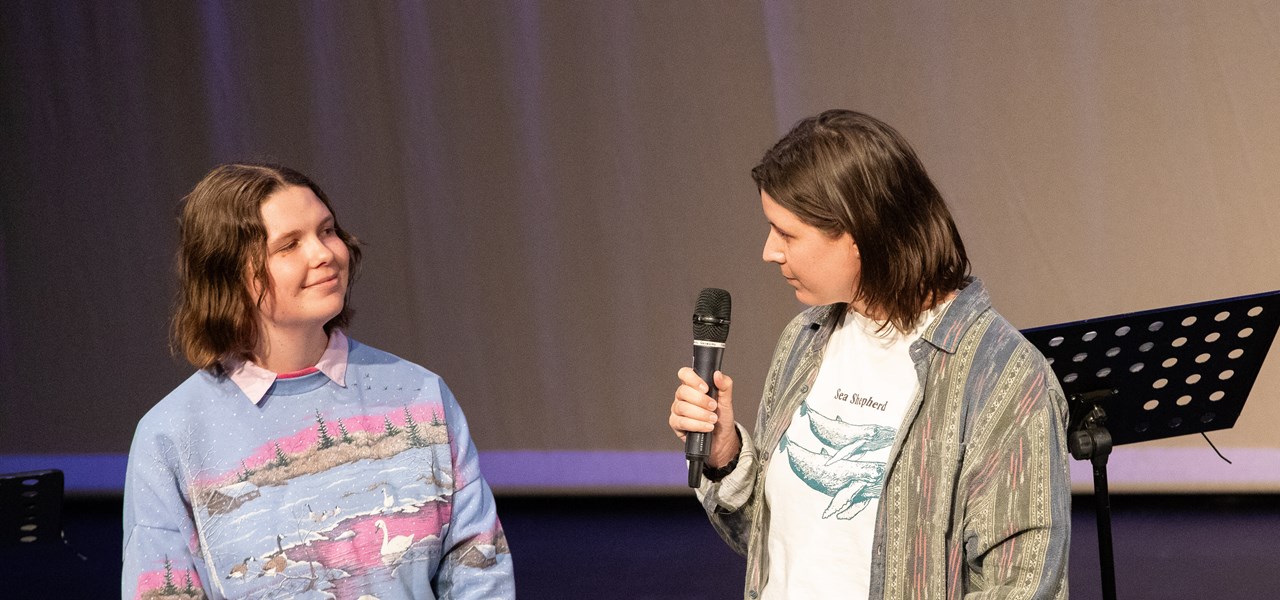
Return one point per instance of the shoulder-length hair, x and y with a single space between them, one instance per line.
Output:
846 172
222 245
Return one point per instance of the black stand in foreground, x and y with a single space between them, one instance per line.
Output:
1155 374
30 507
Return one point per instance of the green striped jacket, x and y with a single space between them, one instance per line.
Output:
977 495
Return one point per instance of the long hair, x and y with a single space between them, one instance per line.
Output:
222 244
846 172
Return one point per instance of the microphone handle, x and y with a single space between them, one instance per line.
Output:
706 361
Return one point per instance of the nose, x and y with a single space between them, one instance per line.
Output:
772 249
320 252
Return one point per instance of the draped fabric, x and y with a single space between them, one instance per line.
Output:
543 187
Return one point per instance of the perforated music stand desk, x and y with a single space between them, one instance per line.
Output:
30 507
1155 374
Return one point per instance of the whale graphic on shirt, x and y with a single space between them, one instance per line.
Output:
835 468
848 438
852 484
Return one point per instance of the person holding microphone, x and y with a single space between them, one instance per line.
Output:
910 443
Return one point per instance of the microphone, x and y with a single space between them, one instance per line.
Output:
710 331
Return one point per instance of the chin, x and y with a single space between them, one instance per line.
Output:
806 299
809 299
328 315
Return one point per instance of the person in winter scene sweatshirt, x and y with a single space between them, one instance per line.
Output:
297 462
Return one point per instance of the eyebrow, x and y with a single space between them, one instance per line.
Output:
327 221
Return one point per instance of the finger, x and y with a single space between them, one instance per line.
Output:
690 378
695 397
686 417
689 410
686 424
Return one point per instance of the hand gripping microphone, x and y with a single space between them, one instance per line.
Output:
710 331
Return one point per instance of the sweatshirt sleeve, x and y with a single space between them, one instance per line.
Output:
160 545
476 561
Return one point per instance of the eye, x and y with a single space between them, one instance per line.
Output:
287 246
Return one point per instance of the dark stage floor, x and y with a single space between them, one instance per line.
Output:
1166 547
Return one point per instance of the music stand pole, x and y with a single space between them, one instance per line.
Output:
1103 511
1092 441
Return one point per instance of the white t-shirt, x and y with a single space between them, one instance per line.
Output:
823 483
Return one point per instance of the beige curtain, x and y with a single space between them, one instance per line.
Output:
544 187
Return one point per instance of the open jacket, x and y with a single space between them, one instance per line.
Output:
977 494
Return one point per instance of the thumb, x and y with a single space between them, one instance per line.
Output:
725 384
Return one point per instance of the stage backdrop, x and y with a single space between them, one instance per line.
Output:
543 187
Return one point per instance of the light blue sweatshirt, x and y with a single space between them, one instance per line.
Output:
368 487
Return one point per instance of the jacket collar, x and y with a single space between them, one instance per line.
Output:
949 328
944 333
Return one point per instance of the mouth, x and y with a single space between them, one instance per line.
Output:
327 280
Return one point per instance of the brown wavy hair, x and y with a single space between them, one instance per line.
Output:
846 172
222 244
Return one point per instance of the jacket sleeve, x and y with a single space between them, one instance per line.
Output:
729 502
160 545
1018 504
476 561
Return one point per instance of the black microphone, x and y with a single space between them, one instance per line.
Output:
710 331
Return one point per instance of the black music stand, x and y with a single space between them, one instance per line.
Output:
1155 374
31 507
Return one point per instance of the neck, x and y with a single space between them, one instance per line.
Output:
285 351
861 308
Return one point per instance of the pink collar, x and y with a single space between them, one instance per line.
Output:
254 381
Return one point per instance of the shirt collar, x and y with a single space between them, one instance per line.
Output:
255 381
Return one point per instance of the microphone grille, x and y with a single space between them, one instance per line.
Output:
711 315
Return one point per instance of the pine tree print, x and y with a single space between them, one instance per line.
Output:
435 419
245 473
346 437
281 459
169 588
190 590
325 440
389 428
415 434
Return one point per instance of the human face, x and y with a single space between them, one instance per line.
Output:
306 260
822 269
